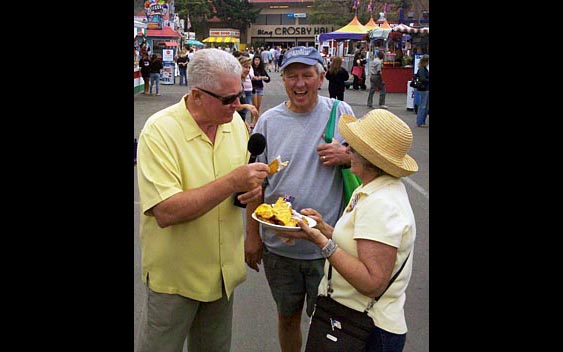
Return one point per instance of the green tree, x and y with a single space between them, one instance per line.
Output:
337 12
236 13
327 12
199 11
138 5
340 12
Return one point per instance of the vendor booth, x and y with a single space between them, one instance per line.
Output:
394 75
413 40
398 62
164 43
354 30
160 39
223 37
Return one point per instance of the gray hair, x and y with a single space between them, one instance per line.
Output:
318 65
208 65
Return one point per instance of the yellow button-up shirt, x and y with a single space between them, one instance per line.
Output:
194 258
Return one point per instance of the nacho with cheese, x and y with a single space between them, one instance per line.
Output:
277 165
280 213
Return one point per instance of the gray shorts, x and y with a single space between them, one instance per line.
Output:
291 279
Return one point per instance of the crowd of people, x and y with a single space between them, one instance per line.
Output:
265 60
192 161
151 68
339 79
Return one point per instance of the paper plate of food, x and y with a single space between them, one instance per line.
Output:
280 216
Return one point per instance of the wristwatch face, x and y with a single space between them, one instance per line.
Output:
329 248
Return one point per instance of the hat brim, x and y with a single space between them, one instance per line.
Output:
301 60
350 130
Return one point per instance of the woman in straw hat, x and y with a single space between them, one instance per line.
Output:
375 234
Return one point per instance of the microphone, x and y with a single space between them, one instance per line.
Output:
256 146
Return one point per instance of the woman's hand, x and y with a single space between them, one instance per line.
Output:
318 235
322 226
307 233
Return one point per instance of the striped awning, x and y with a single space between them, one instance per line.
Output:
403 28
221 40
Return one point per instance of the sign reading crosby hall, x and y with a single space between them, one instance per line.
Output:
293 31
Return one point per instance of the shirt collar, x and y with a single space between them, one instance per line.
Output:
190 127
376 184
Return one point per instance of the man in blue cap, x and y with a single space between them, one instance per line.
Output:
294 130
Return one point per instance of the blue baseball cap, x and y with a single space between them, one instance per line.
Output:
307 55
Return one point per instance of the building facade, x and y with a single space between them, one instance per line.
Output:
284 23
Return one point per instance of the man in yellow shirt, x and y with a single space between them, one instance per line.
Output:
192 160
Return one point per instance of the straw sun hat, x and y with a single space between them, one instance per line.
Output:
382 138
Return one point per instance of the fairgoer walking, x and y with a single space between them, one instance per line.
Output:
376 81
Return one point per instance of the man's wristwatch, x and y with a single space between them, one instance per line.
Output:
329 248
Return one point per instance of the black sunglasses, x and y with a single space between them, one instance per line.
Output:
229 99
348 145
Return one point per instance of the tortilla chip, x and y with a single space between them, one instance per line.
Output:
264 211
273 166
277 165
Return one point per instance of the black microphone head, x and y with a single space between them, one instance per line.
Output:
256 144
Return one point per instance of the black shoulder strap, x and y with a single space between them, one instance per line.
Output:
394 277
378 297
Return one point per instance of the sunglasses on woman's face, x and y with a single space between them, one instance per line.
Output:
229 99
348 146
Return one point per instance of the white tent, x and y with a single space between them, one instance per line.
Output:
381 32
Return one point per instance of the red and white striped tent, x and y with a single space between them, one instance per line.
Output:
403 28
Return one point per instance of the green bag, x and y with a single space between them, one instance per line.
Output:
351 181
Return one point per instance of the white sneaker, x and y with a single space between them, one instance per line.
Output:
383 107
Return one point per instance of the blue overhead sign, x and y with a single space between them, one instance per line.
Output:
296 15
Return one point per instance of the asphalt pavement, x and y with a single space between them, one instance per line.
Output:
255 317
